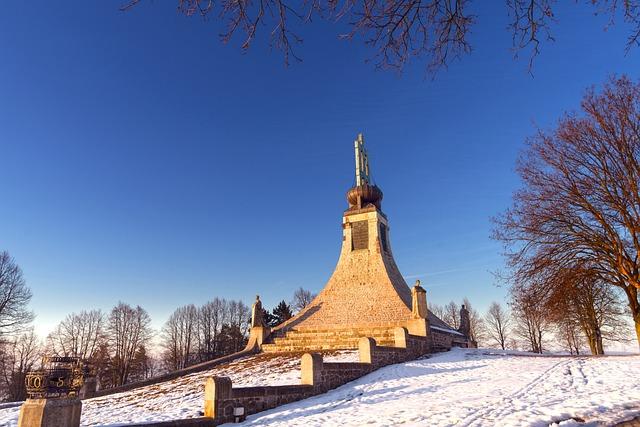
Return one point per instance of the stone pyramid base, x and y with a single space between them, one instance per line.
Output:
317 339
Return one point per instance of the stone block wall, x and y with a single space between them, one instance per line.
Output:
441 341
252 399
223 402
333 375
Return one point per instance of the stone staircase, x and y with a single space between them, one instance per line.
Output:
326 339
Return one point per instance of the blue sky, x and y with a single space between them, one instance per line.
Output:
144 161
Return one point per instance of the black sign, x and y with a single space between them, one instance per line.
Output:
60 377
360 235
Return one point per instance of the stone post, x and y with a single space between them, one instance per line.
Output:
465 322
89 388
401 336
366 348
311 369
58 412
216 389
419 324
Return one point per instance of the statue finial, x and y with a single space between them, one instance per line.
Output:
362 161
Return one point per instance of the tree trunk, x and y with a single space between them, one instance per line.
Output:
598 338
634 305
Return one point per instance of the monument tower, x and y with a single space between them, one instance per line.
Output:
366 295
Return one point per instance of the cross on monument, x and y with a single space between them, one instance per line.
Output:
362 162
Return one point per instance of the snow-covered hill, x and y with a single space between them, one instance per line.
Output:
461 387
476 388
183 397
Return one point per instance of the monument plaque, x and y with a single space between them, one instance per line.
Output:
360 234
61 377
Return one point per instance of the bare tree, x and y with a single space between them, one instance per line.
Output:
579 297
18 356
569 333
452 315
239 314
128 328
301 299
398 30
78 335
211 317
531 319
438 311
237 327
498 324
14 297
581 201
179 337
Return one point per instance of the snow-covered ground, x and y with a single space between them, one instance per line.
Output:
184 396
461 387
476 388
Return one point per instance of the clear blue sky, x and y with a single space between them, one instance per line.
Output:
142 160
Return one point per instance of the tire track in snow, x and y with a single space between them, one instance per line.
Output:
485 414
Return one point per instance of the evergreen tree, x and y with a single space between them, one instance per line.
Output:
231 339
281 313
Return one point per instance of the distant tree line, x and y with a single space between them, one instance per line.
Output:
528 325
120 346
197 334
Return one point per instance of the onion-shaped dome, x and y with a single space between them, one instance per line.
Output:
367 194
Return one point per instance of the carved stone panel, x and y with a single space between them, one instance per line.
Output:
383 237
359 235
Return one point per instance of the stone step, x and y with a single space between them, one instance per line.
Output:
381 333
353 343
333 337
360 329
326 339
273 348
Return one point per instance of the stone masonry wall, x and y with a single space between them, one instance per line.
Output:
258 399
334 375
441 341
223 402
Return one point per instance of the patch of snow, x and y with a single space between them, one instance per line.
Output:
476 388
184 396
461 387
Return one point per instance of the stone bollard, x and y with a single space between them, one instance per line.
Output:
366 348
311 369
419 327
89 388
216 389
61 412
400 337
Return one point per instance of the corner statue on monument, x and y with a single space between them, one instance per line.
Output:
366 296
257 318
418 301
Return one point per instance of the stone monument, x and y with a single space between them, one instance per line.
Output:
418 301
53 394
366 295
259 331
257 318
465 322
